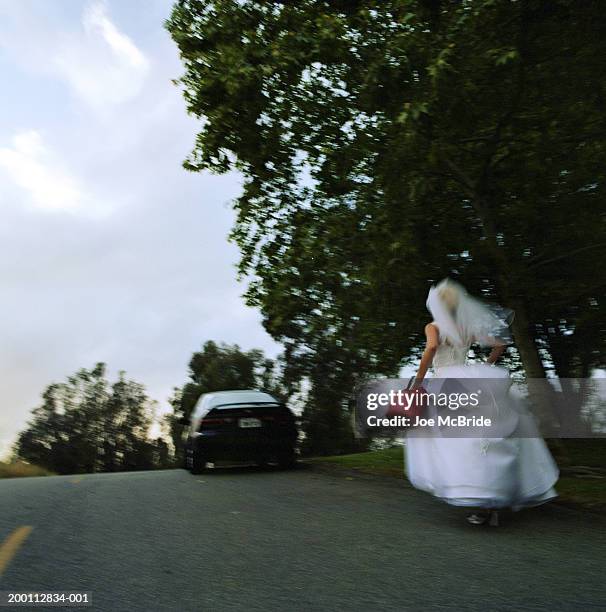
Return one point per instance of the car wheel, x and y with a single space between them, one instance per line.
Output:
198 462
262 463
287 461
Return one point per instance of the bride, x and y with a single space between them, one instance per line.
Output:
514 468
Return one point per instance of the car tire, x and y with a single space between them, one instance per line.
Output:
198 462
287 461
262 462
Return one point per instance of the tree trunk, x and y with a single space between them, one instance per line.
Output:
506 282
540 392
525 339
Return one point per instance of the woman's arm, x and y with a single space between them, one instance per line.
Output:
431 346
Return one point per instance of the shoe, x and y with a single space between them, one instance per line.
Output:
477 519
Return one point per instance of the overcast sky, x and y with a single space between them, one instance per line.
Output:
109 250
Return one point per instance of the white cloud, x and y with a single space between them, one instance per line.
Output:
101 64
95 21
34 168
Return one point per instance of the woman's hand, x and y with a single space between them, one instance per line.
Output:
495 354
417 383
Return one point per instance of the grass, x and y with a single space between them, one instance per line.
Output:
386 462
20 469
586 492
581 451
576 487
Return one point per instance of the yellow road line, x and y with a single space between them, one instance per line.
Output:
11 545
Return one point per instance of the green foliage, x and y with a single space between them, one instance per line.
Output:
222 367
387 144
86 425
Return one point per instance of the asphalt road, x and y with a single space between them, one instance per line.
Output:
246 539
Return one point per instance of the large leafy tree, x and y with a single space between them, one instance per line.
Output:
385 144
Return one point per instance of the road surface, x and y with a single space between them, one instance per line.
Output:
247 539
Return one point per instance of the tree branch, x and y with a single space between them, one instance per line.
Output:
565 255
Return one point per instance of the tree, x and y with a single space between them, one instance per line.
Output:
84 425
385 145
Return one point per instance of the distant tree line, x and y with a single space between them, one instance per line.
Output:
88 425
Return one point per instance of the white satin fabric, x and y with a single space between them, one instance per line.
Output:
496 472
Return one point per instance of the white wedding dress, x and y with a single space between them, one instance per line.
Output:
495 472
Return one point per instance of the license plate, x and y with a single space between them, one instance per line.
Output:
246 423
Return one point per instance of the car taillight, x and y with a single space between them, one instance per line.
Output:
280 420
215 421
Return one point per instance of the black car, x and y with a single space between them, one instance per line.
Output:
240 426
